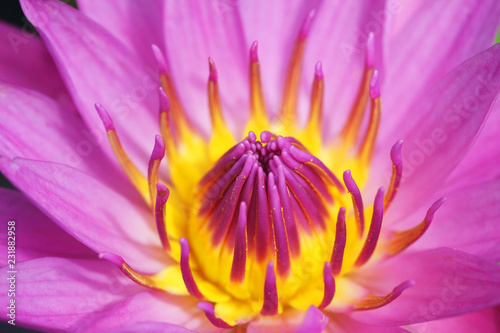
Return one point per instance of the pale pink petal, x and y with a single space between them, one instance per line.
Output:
96 215
447 283
153 306
436 39
34 234
35 126
137 24
481 161
467 221
98 68
194 31
442 128
485 321
59 294
25 61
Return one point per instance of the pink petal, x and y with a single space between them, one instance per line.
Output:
442 128
437 38
468 221
290 320
98 68
36 127
194 31
136 24
58 294
315 321
152 327
24 61
485 321
96 215
447 283
34 233
341 323
481 161
153 306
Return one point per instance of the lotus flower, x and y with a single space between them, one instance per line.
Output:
296 184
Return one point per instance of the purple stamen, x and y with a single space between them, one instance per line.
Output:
339 245
374 232
208 309
357 201
187 274
161 201
280 233
270 306
253 52
397 172
240 247
105 118
329 286
290 226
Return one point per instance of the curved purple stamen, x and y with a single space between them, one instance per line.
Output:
187 274
339 245
375 227
357 201
329 286
208 309
397 172
162 194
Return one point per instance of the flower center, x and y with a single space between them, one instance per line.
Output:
258 226
260 196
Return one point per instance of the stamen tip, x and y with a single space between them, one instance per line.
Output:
159 148
396 152
160 59
374 85
105 118
253 52
162 190
213 70
111 257
318 71
304 31
164 101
